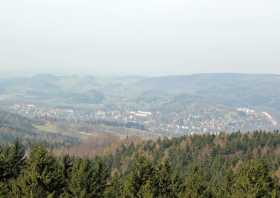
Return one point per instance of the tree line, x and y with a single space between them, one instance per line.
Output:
245 165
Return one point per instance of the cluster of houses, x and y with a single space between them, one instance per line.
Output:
185 122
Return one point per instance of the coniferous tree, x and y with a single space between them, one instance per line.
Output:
43 176
254 180
88 179
196 184
163 183
11 161
114 188
139 181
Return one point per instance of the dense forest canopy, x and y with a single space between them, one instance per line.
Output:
225 165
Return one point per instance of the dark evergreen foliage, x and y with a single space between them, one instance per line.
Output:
206 166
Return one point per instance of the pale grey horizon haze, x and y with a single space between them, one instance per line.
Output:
147 37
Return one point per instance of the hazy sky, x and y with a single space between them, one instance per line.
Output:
145 37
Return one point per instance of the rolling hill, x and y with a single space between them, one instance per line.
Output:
201 98
13 126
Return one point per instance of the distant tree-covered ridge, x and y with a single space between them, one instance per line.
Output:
14 126
208 166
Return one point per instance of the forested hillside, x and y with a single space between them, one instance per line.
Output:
224 165
13 126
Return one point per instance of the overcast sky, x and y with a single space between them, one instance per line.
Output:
143 37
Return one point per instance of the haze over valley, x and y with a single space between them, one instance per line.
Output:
77 108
